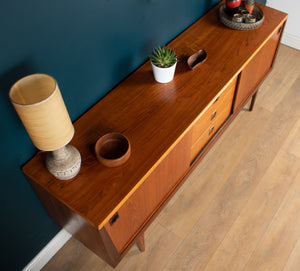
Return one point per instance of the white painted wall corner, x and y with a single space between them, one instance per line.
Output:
291 34
290 40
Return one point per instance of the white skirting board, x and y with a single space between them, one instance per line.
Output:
290 40
40 260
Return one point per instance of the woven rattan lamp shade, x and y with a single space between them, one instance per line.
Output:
39 104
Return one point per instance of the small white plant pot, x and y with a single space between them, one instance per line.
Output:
163 75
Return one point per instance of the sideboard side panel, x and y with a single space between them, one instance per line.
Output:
97 241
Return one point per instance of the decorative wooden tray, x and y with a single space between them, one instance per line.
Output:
227 20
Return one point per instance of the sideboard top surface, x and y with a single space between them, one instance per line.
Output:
151 115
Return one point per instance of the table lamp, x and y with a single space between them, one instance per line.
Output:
39 104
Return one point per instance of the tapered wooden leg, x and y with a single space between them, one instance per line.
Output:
141 242
252 101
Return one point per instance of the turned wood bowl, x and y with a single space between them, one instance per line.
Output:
196 59
112 149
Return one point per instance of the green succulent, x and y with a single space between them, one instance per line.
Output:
163 57
250 2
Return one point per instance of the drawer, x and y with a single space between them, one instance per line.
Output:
218 105
210 131
137 210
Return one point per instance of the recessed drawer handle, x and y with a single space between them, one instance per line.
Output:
217 99
114 219
211 129
213 115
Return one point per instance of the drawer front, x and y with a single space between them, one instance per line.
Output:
220 103
209 133
144 202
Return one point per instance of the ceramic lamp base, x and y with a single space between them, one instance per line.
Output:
64 163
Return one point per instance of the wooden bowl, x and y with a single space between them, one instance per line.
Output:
112 149
196 59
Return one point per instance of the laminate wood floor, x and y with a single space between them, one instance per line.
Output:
240 207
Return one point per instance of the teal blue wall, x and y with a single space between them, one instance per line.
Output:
89 47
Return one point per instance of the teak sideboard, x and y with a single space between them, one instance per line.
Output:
169 126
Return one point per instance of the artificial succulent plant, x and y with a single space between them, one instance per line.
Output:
163 57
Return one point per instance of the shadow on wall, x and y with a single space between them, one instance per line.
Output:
7 79
19 205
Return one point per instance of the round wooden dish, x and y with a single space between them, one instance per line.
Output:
112 149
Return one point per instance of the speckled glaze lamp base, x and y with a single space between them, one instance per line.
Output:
64 163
